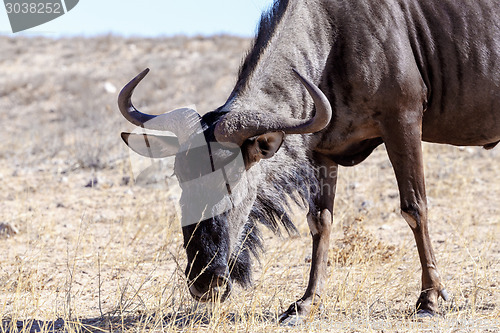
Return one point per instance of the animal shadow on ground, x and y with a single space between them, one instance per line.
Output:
182 320
122 323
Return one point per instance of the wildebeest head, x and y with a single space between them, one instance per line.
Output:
215 159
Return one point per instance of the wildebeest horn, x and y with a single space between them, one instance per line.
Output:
236 127
181 122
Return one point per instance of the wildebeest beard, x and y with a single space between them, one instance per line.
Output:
295 185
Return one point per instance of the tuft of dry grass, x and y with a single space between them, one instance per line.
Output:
95 253
359 246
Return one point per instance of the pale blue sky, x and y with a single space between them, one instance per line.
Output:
151 18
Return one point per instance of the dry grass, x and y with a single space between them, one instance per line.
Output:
95 253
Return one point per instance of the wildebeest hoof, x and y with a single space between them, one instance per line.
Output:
422 314
287 319
296 314
427 305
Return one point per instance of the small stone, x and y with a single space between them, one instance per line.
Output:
92 183
125 181
109 87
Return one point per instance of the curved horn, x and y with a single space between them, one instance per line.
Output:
181 122
236 127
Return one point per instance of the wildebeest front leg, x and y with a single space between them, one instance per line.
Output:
320 227
403 143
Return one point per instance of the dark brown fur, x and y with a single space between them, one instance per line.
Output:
396 72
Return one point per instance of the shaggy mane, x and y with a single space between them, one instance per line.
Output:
295 184
269 21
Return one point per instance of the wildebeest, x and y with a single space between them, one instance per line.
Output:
392 71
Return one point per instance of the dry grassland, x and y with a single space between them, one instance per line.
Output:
84 249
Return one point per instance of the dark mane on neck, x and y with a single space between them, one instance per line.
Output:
267 27
296 184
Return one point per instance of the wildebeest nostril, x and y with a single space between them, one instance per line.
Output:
219 288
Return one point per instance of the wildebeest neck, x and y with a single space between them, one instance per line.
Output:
299 38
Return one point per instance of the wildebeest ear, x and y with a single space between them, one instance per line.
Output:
149 145
262 147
